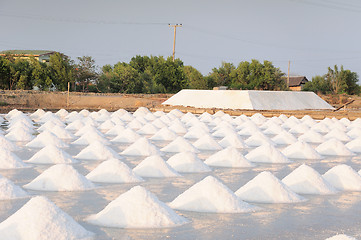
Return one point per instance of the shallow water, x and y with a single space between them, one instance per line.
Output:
317 218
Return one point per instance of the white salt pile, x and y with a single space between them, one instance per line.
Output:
40 219
155 166
312 136
126 136
164 134
272 128
187 162
320 128
20 134
75 125
267 153
306 180
341 237
127 117
258 139
62 113
228 157
141 147
284 138
258 119
148 128
51 154
137 208
343 177
223 131
7 144
232 140
177 113
354 145
266 188
195 132
37 114
179 145
301 150
86 129
8 190
135 124
114 131
60 177
178 128
9 160
89 137
207 143
108 124
354 132
299 128
97 151
338 134
45 138
113 171
210 195
247 129
61 133
158 123
334 147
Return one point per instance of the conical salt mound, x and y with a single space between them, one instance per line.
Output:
19 134
40 219
266 188
178 127
179 145
195 132
341 237
312 136
51 154
148 128
164 134
97 151
223 131
283 138
343 177
75 126
301 150
354 145
258 139
338 134
113 171
126 136
320 128
334 147
60 177
6 144
114 131
232 140
61 132
267 154
155 166
210 195
306 180
89 137
229 157
37 114
137 208
187 162
159 124
45 138
273 129
207 143
141 147
299 128
9 160
354 132
8 190
108 124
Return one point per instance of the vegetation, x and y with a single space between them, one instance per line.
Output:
152 74
335 81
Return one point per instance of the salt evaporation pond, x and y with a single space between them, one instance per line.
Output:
315 216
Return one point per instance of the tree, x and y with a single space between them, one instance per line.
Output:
4 73
85 72
62 71
318 85
194 78
41 75
222 76
342 81
124 78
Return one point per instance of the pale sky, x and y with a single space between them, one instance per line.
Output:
312 34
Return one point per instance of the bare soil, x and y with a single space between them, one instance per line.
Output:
32 100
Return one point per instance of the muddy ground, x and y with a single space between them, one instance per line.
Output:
32 100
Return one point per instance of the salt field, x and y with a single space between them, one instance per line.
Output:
155 175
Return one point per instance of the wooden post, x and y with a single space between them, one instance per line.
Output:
288 75
175 30
67 100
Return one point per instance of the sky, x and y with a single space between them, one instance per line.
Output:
312 34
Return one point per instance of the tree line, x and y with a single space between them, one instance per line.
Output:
156 74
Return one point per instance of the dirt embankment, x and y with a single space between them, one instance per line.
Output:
32 100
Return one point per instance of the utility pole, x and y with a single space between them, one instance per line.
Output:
175 30
288 75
